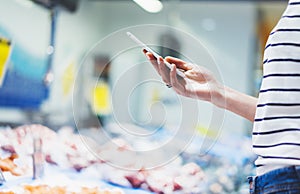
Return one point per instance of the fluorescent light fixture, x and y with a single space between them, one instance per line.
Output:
152 6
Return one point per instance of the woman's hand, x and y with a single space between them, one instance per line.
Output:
198 83
201 84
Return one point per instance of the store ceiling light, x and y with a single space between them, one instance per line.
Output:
152 6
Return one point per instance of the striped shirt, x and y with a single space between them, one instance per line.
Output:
276 130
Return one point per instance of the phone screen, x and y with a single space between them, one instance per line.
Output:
155 54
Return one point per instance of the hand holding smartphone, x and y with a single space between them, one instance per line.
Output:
156 55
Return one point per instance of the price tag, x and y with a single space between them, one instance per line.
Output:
101 99
5 48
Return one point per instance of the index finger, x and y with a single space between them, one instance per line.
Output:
149 54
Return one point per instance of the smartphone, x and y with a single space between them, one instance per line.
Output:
155 54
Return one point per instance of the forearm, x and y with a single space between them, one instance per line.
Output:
240 103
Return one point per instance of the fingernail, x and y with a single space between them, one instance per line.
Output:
173 67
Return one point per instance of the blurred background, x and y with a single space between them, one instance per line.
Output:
234 32
64 67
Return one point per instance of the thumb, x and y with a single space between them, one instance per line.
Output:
195 76
179 63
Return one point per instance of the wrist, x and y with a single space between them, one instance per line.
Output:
218 96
